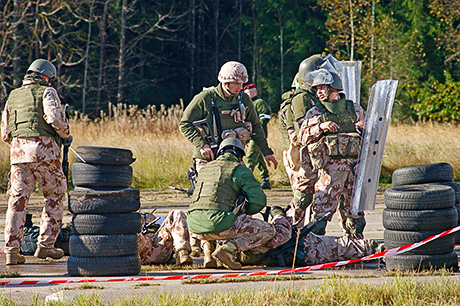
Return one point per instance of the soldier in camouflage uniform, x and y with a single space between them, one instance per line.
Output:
235 112
317 249
212 214
296 159
330 134
33 123
172 236
254 157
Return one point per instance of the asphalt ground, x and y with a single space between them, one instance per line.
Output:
163 202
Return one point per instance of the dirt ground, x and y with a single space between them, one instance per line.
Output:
163 202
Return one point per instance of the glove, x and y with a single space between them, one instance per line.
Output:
276 210
68 141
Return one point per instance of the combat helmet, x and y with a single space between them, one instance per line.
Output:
309 64
233 72
325 77
44 67
235 146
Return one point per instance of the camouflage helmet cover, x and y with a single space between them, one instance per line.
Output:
233 72
230 142
44 67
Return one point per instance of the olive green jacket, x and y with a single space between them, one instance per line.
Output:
263 111
201 108
302 101
218 220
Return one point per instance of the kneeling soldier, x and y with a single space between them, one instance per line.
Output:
212 215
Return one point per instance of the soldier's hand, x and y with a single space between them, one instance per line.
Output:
206 151
330 126
271 159
361 124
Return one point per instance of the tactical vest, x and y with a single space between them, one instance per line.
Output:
285 107
345 142
213 189
25 106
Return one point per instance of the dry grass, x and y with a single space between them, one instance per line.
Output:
164 156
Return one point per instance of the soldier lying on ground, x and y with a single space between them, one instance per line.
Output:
316 249
157 247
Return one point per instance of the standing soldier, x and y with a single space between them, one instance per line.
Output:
303 177
228 111
254 157
34 123
214 215
330 134
171 237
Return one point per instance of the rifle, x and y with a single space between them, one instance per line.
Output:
207 133
192 176
150 227
66 145
288 249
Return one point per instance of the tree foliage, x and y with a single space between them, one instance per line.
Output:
146 52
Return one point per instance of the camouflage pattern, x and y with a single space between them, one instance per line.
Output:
233 71
247 233
173 235
324 249
36 159
23 177
335 179
283 232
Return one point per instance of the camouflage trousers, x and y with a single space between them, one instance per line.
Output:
302 177
22 181
173 235
255 158
334 187
323 249
283 232
247 233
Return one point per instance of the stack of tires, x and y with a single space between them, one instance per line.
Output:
420 204
105 222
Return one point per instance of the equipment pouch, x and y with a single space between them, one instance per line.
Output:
354 144
332 143
243 135
342 144
319 153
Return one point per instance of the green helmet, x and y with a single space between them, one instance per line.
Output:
44 67
309 64
325 77
231 142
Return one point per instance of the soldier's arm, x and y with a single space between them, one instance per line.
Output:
246 182
193 112
257 132
54 114
310 130
4 125
298 108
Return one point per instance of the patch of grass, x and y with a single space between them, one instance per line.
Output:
432 272
10 274
140 285
168 267
266 278
91 286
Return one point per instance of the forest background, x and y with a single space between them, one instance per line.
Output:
140 54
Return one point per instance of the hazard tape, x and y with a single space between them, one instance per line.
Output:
391 252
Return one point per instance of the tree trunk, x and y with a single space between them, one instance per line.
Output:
216 37
88 42
102 56
121 59
16 65
193 48
352 47
280 19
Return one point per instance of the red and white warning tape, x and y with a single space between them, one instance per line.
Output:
386 253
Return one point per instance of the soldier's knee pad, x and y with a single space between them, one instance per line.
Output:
302 200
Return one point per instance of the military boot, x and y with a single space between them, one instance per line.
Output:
226 254
320 228
209 247
196 248
266 183
183 258
54 253
14 259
